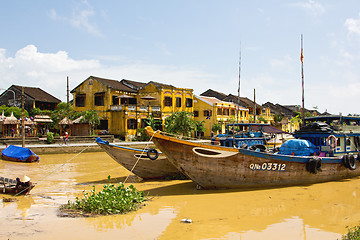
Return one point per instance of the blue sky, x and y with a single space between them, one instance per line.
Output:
189 44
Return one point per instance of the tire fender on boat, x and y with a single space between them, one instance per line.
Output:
349 161
152 151
314 165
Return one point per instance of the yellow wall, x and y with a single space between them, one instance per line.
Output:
118 115
218 114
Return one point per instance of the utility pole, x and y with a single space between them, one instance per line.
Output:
22 117
254 107
67 93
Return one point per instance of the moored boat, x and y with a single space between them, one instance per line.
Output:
212 166
18 154
250 134
11 186
144 163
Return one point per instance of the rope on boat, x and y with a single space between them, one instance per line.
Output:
142 153
41 179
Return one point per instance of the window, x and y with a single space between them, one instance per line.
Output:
196 113
168 101
131 123
232 112
80 100
115 100
189 102
219 111
178 102
99 99
226 111
207 113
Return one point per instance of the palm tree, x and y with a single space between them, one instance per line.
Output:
180 123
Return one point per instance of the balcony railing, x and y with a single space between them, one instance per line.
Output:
133 108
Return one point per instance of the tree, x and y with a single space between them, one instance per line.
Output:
152 122
200 128
91 117
216 127
180 123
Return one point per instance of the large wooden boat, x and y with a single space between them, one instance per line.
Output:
212 166
19 154
144 163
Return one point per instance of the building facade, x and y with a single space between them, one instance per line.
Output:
211 110
123 106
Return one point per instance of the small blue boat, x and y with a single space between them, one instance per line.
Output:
18 154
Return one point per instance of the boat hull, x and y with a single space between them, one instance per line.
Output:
222 167
145 167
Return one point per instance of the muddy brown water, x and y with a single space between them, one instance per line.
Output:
319 211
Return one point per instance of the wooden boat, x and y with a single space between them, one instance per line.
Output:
8 186
213 166
18 154
150 163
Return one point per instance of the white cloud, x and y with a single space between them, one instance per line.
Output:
353 26
29 67
312 7
80 18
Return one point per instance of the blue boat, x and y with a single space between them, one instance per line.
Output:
18 154
245 135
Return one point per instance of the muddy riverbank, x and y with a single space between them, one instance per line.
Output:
320 211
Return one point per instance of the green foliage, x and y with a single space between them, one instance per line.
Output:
152 122
261 119
216 127
111 200
141 135
15 110
180 123
50 137
91 117
200 126
353 233
63 106
278 118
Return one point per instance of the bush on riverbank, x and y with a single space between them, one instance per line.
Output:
353 233
111 200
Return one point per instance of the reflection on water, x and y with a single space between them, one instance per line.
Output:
320 211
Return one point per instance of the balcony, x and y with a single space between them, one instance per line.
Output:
134 108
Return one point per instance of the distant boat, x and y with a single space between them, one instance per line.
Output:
18 154
250 134
319 157
150 163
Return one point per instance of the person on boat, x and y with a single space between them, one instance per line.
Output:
23 184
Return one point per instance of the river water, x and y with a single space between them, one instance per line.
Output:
319 211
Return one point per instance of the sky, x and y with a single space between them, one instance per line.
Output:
196 44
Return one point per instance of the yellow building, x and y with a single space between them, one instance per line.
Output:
212 110
124 105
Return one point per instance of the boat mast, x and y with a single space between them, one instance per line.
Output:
302 82
238 98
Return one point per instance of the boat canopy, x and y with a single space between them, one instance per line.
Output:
298 147
18 152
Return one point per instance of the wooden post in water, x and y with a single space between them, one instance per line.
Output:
22 117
